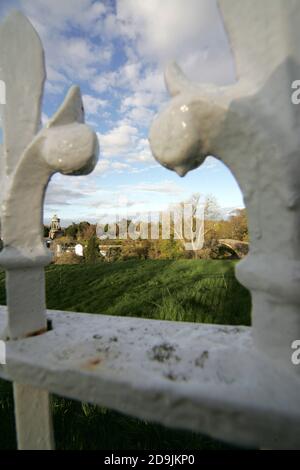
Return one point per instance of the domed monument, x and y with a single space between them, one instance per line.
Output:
55 228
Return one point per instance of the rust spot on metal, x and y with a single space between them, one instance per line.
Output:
92 363
37 333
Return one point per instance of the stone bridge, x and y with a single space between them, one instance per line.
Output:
235 247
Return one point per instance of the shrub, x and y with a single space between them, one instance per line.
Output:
91 253
68 258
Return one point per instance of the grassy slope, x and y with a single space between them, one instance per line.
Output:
188 290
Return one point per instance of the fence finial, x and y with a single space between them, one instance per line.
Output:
31 157
253 127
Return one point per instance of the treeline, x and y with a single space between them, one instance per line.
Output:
214 229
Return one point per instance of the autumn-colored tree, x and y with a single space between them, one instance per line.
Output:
136 249
239 225
200 216
72 230
64 241
87 232
82 227
170 249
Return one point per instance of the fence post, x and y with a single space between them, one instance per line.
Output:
253 127
29 158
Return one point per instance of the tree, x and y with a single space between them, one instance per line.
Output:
193 223
212 210
87 231
72 230
92 250
239 225
46 231
171 249
82 228
135 249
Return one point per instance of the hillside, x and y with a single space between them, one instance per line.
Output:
187 290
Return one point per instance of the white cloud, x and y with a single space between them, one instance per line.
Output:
188 31
139 99
55 75
61 194
125 77
101 167
129 73
54 88
70 190
69 54
152 81
145 84
118 141
103 81
58 15
141 153
92 105
159 187
140 116
163 28
120 166
76 57
139 108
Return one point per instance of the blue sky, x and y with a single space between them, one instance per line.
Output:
116 51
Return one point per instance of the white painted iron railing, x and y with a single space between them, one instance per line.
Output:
234 383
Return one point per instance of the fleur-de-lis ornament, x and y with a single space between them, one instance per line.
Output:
253 127
29 158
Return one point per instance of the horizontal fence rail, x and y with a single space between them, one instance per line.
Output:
206 378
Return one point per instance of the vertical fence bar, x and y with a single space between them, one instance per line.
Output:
253 127
29 158
23 72
33 418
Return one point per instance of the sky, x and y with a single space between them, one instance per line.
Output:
116 51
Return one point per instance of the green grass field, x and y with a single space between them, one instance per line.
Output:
185 290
